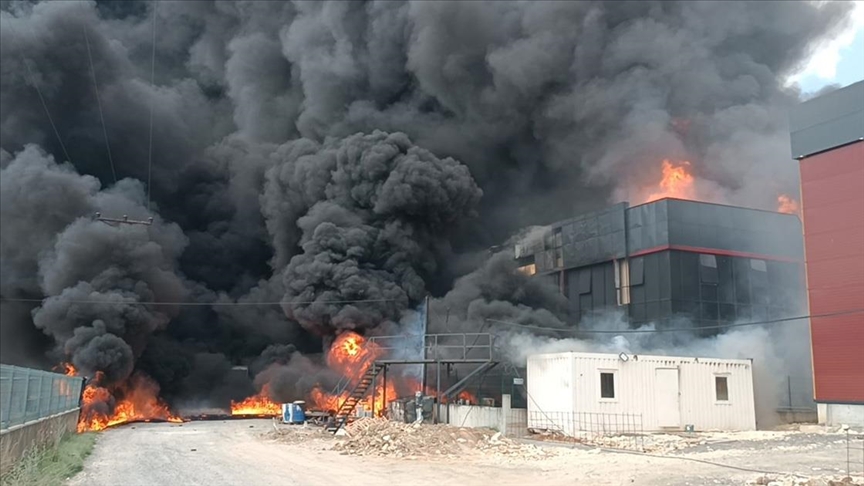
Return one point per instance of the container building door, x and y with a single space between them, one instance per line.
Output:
667 401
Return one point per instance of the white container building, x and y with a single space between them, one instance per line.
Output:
578 392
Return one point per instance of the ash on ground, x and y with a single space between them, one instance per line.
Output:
382 437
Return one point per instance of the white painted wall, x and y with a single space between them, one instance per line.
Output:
477 416
563 383
840 414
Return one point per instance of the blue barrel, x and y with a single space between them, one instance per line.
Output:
287 413
292 413
298 416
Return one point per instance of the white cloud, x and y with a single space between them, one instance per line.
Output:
823 63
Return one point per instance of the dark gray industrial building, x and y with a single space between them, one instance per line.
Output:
710 263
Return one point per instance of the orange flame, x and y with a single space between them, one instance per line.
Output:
135 400
467 396
67 369
785 204
259 404
677 182
352 355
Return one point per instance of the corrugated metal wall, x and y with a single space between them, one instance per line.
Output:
550 383
635 387
832 187
828 121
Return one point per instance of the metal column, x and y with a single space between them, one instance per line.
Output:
438 392
374 379
384 383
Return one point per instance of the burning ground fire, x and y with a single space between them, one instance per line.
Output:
259 404
135 400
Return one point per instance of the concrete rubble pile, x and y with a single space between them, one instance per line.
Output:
382 437
831 480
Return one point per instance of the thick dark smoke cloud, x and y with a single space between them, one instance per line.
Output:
497 291
271 181
378 227
94 275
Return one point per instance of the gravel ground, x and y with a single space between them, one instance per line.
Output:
250 452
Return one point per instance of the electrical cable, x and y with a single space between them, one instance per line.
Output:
44 105
703 461
221 304
679 329
152 98
99 104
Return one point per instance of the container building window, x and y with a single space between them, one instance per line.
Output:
607 385
721 386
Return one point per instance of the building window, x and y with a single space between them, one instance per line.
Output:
721 387
584 281
528 269
708 269
607 385
758 265
637 271
622 281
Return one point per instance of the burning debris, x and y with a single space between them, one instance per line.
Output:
258 405
134 400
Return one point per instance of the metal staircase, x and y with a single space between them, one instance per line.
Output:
357 393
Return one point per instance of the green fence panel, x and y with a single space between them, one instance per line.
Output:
28 394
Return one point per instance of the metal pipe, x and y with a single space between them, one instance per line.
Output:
374 379
425 330
438 392
449 365
384 393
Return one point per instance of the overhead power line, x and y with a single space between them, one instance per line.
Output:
152 99
679 329
99 104
220 304
44 105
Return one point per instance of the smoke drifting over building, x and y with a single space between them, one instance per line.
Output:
316 152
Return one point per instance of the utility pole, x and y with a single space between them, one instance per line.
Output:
124 220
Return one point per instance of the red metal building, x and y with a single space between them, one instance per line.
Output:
827 135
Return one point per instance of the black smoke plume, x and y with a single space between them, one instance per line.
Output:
320 151
376 232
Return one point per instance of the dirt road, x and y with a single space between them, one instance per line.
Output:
240 453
